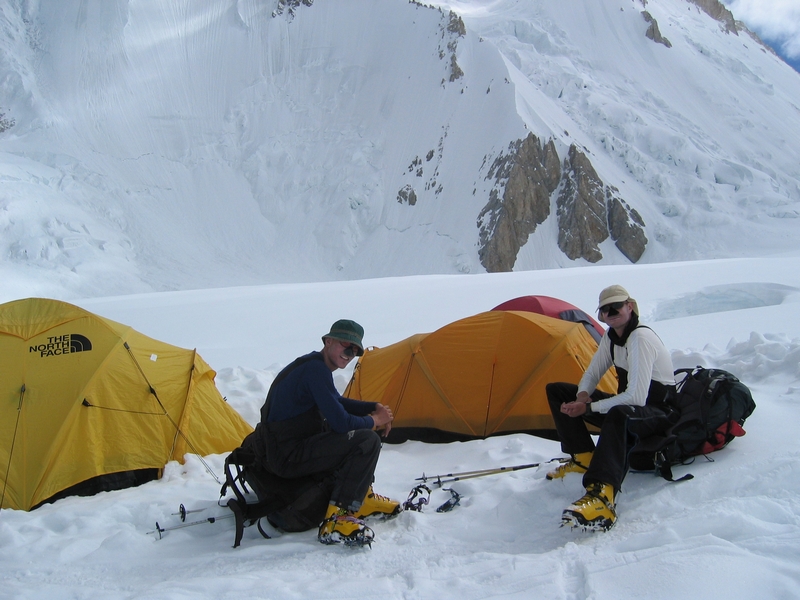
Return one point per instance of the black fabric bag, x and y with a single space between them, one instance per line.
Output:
712 405
289 504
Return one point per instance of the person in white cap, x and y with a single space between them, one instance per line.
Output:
638 409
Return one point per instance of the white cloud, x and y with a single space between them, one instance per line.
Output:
775 20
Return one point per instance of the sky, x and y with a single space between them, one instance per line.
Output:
777 22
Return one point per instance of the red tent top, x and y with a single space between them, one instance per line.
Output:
553 307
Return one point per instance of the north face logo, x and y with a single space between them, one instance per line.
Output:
63 344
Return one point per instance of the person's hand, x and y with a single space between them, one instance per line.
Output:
382 417
574 409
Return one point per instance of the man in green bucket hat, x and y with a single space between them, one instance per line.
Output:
308 428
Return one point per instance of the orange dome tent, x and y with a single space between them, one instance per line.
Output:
480 376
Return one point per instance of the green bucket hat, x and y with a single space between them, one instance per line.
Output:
346 330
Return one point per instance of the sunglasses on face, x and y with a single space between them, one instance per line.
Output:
350 349
613 308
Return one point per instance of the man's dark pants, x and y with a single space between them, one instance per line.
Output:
619 430
351 457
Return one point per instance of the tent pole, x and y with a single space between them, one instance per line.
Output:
171 420
13 441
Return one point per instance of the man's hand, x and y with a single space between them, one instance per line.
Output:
578 406
573 409
382 417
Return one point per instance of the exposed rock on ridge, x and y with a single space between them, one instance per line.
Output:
528 174
716 10
653 33
588 211
582 216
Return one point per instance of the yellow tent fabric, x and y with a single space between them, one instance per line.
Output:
479 376
82 396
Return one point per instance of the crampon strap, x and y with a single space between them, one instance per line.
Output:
416 499
454 501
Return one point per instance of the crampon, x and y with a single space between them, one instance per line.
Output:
594 512
576 521
347 530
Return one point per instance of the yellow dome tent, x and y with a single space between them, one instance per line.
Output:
476 377
88 404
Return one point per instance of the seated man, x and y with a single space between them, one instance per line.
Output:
308 428
646 376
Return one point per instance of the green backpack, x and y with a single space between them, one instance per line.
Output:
712 405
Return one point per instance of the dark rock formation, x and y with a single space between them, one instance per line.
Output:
588 211
625 225
527 175
653 32
581 206
717 10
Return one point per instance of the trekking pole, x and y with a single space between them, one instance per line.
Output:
161 530
440 480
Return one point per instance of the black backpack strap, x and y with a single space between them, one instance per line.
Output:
664 468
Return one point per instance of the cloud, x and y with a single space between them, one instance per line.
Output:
775 21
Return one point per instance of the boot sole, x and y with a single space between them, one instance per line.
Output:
576 520
357 539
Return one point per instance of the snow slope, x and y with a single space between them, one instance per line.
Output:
183 145
732 532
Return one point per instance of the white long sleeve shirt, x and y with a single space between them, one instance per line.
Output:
643 356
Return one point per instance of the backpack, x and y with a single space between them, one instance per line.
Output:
710 406
292 505
297 504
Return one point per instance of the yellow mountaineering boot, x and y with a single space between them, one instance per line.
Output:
342 527
579 463
375 504
595 511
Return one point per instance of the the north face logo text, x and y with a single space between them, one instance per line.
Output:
63 344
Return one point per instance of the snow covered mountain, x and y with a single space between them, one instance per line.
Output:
151 145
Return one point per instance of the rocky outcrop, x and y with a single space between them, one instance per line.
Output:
527 175
407 195
581 209
588 211
653 32
290 6
451 33
716 10
625 226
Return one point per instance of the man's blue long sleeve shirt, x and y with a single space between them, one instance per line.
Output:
310 385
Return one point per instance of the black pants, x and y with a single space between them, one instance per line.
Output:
351 457
619 430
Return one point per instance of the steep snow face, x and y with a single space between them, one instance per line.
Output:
173 145
697 136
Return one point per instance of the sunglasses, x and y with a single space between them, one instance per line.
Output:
613 308
350 349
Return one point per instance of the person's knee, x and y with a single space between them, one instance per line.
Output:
619 415
367 441
559 392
